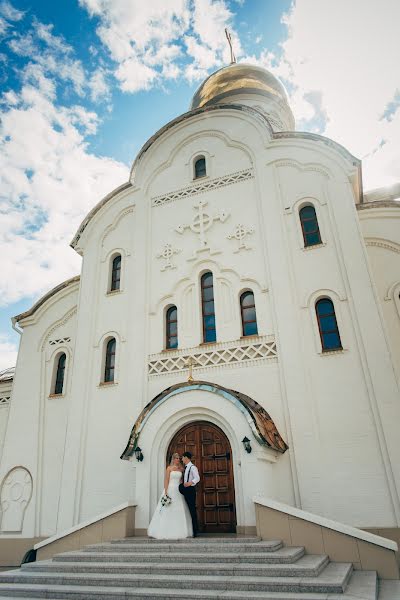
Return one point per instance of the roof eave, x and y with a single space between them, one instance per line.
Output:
95 210
31 311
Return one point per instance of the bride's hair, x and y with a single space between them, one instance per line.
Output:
175 455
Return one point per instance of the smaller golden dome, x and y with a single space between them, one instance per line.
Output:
238 79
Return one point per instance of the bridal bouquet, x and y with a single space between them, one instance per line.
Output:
165 500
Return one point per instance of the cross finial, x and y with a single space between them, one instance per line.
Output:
229 38
190 362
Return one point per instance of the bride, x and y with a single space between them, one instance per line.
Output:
172 521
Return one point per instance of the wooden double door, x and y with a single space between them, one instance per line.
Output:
211 453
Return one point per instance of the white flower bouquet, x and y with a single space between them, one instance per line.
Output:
165 500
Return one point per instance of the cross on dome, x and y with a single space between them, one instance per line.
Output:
229 38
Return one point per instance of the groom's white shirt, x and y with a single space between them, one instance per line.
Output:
191 474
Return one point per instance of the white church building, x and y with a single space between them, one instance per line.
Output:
239 298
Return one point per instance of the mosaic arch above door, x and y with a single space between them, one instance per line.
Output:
262 426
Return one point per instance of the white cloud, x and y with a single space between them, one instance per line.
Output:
9 12
49 181
134 75
8 15
34 78
3 26
98 85
51 56
342 59
210 18
144 38
55 42
170 71
194 73
203 56
8 352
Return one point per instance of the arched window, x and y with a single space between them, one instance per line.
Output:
116 273
309 226
109 370
208 311
59 383
328 328
172 327
200 168
248 310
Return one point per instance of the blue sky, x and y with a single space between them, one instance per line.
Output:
84 83
145 110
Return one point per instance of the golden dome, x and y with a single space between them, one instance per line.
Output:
238 79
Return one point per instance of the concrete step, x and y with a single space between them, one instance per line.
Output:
202 539
362 586
307 566
286 555
184 546
333 579
60 592
389 589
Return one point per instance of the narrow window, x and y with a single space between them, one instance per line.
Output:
309 226
58 387
207 301
328 328
200 168
116 273
172 327
109 371
249 318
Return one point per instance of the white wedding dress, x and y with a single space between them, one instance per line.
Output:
171 522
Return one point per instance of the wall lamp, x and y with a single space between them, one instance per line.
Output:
246 444
138 454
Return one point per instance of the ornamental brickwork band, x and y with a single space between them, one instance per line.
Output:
220 355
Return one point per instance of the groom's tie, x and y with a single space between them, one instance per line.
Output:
188 473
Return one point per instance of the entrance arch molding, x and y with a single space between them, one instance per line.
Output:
155 440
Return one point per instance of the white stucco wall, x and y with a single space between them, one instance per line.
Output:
35 436
5 400
381 230
338 411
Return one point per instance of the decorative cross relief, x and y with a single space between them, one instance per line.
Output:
239 234
190 362
167 253
202 222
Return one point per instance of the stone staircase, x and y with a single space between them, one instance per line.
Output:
209 568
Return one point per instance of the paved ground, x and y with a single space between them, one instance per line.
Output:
389 590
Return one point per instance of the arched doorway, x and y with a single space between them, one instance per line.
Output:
212 455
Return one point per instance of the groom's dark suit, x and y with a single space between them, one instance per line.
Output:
189 494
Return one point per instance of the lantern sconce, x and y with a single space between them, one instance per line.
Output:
246 444
139 454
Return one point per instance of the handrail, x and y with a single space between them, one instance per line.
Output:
82 525
324 522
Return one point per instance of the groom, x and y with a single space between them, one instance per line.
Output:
188 488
